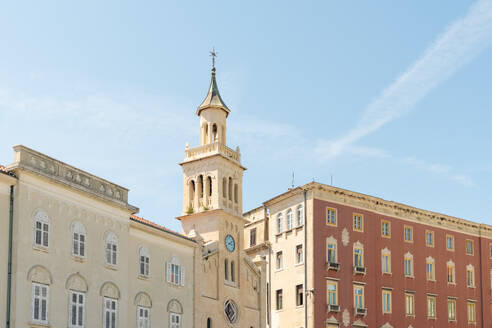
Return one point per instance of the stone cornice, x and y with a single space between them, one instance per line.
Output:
60 172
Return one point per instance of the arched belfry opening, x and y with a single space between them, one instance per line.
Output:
215 136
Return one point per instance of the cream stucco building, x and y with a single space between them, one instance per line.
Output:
74 254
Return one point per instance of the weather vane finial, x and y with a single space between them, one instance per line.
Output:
213 54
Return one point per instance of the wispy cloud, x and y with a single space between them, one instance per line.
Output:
461 41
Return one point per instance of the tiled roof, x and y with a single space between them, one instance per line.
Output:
157 226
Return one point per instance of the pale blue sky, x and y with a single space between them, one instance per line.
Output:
392 98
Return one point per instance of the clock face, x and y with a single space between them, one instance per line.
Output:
230 243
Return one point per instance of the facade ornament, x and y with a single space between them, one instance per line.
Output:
345 237
346 318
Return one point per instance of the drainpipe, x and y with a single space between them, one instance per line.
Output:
305 261
9 277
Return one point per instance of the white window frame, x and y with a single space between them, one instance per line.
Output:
279 265
175 273
79 239
77 306
143 261
174 320
110 311
300 215
41 218
111 253
142 320
40 298
289 218
280 227
299 260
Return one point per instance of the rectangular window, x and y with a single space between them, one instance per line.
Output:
451 309
144 265
490 251
110 313
299 254
470 277
429 238
331 253
111 253
175 274
386 301
409 304
332 292
471 312
143 317
408 234
331 216
40 297
358 222
359 297
299 295
451 273
42 234
430 270
431 307
77 310
252 237
469 246
279 298
78 244
408 266
358 257
385 229
450 243
385 263
279 260
175 320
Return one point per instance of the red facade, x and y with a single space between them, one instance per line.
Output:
374 281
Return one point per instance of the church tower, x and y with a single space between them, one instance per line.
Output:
229 285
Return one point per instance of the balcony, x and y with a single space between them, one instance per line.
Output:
360 311
359 270
216 148
332 266
332 308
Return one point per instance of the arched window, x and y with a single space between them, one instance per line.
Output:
289 219
78 239
41 280
226 269
205 136
214 133
230 188
41 228
192 192
233 273
209 322
236 196
300 215
111 249
224 187
175 272
279 223
200 186
144 261
209 186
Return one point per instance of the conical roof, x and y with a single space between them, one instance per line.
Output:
213 99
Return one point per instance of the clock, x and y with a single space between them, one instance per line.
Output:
230 243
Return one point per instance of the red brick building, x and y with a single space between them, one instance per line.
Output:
370 262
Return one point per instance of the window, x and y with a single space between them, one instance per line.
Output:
469 246
358 257
451 309
279 299
358 297
233 272
226 269
450 243
40 301
470 276
386 301
451 273
175 272
110 313
279 260
331 252
299 295
78 239
409 304
431 307
143 317
470 306
331 216
289 219
299 254
429 238
174 320
490 251
76 310
332 293
144 261
385 229
209 322
252 237
430 269
279 223
41 229
408 265
230 310
224 187
386 261
300 215
358 222
408 234
111 249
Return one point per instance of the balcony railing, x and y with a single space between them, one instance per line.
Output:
332 266
212 149
360 311
332 308
359 270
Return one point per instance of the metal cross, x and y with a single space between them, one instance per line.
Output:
213 54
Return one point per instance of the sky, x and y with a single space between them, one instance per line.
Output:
387 98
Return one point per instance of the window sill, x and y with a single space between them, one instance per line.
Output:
111 267
230 283
451 284
471 287
142 277
78 259
410 315
299 307
411 277
40 248
278 270
299 264
387 274
431 280
38 325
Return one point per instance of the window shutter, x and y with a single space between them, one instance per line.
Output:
168 275
182 275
